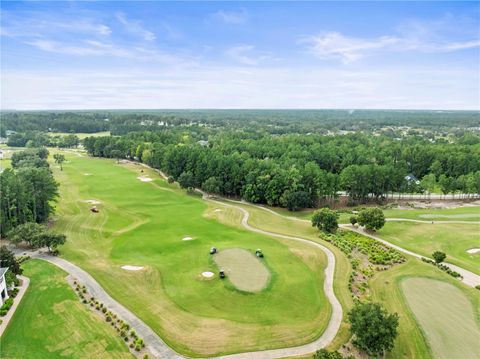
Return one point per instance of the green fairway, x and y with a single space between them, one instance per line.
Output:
446 316
80 135
50 322
425 238
143 224
468 213
387 288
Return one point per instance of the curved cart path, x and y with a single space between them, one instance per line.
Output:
161 350
469 278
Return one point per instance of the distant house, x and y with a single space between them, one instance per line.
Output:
411 179
203 143
10 132
3 286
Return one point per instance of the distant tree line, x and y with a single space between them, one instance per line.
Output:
38 139
27 190
297 171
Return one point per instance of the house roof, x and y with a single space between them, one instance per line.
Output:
3 271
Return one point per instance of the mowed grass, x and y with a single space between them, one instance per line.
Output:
387 289
245 271
143 223
446 316
50 322
81 135
467 213
425 238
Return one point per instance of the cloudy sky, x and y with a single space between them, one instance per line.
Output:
99 55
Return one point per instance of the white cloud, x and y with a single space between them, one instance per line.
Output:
231 17
135 27
241 87
419 38
244 55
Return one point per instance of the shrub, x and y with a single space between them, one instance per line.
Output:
104 310
108 318
131 345
477 287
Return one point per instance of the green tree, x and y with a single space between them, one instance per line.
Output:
27 232
325 354
325 219
7 259
296 200
59 159
374 329
50 240
211 185
372 218
438 256
186 180
353 220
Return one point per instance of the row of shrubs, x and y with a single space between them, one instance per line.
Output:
443 267
377 253
129 336
6 307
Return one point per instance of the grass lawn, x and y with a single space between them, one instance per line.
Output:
52 323
143 223
452 334
425 238
413 341
470 213
81 135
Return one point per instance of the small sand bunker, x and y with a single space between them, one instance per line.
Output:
87 174
207 274
132 267
187 238
218 210
473 251
93 201
145 179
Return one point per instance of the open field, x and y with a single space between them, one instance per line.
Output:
445 315
467 213
425 238
387 288
143 224
51 322
81 135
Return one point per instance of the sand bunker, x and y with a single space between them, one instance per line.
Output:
93 201
187 238
473 251
243 269
207 274
218 210
132 267
87 174
145 179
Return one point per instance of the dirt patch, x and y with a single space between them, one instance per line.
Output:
437 204
134 268
217 210
245 271
145 179
473 251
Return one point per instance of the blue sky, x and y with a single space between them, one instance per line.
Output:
80 55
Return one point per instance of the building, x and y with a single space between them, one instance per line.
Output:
3 286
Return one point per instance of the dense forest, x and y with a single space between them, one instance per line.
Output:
271 121
293 159
26 190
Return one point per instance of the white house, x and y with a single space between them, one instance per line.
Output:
3 286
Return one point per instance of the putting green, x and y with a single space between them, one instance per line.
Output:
446 317
243 269
50 322
143 224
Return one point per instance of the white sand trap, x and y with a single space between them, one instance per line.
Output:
87 174
207 274
218 210
145 179
187 239
93 201
473 251
132 267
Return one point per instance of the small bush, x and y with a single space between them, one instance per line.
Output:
108 318
104 310
477 287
